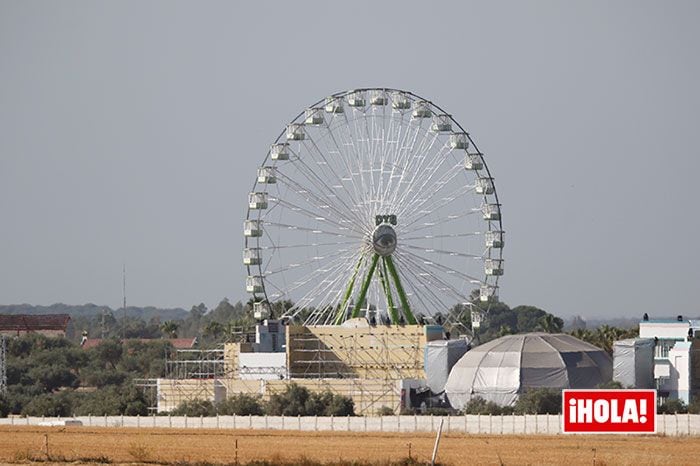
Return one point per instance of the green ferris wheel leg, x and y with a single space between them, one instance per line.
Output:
387 290
399 289
365 286
348 292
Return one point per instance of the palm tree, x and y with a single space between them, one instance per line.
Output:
214 329
169 328
550 323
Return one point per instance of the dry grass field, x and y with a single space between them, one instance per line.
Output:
124 445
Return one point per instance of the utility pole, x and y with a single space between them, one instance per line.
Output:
124 301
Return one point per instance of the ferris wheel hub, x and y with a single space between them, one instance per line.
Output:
384 240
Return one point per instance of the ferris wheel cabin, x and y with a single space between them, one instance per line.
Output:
279 151
473 162
378 97
313 116
254 284
488 294
334 105
442 123
494 239
491 211
295 132
459 141
252 228
422 110
267 175
484 186
252 256
493 267
356 99
257 201
399 101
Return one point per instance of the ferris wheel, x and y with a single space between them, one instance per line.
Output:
372 203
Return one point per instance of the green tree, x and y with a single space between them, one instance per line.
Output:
539 401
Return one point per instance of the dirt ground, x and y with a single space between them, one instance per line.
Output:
125 445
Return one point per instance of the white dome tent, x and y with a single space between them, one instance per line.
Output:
501 369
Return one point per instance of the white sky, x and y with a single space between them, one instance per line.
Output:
130 132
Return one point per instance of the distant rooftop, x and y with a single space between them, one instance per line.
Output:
33 323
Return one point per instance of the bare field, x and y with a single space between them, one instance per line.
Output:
128 445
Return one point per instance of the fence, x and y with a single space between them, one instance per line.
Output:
543 424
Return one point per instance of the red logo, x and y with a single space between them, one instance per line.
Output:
609 411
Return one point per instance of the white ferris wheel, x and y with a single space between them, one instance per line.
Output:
372 203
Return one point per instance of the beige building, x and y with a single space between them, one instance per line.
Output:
374 365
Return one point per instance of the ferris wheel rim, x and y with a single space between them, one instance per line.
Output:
388 90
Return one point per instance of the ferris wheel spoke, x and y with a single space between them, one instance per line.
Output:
442 268
305 245
317 216
448 235
327 166
417 282
415 161
410 158
437 186
320 201
428 276
321 185
317 231
326 283
443 221
322 271
294 265
415 189
442 251
447 200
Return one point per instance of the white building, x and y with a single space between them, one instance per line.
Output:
672 354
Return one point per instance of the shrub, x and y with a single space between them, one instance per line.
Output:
539 401
385 411
479 405
299 401
241 404
195 408
672 407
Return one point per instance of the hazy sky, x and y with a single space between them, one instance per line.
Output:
130 133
